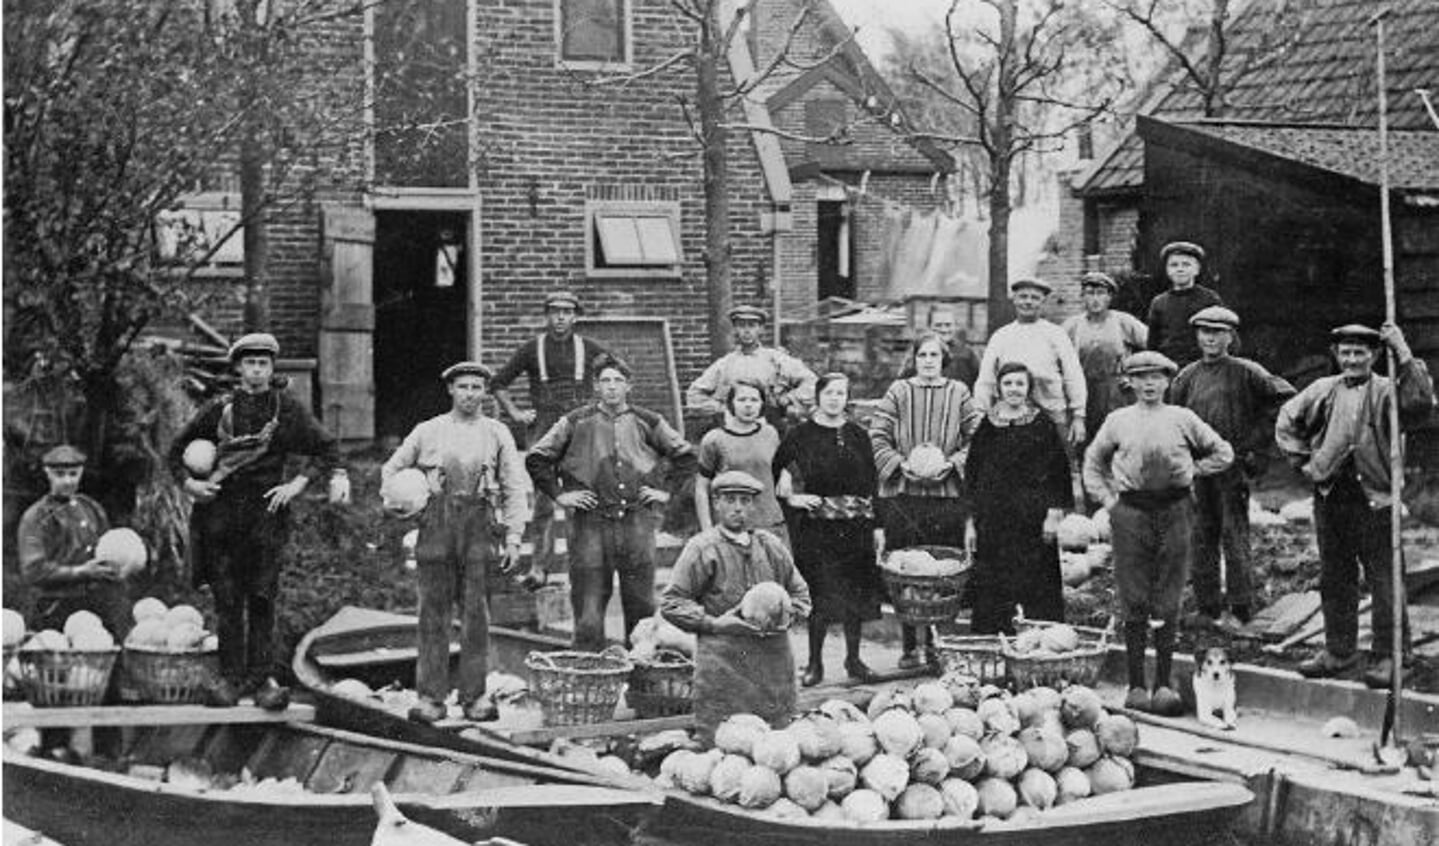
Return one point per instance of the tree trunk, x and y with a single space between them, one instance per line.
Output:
256 233
1214 83
1001 159
716 181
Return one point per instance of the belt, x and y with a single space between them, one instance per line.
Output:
1154 500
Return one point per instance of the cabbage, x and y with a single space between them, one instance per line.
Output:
1075 532
927 461
767 605
1037 788
777 750
1046 750
669 636
886 775
919 802
759 787
1071 784
738 732
1047 698
1075 568
149 633
929 766
864 806
841 776
960 798
694 772
1080 707
932 698
935 729
1025 709
1083 748
785 809
1117 734
842 712
615 766
998 718
1004 756
807 786
351 689
1059 638
1107 775
82 621
92 640
1101 523
857 743
964 689
966 758
829 811
817 736
48 640
996 798
147 608
1027 641
964 721
887 698
726 775
898 732
670 766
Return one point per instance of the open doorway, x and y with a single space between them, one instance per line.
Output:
834 246
421 303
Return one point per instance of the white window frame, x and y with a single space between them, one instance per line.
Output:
670 210
625 62
213 213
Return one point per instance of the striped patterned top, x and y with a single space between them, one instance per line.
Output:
914 412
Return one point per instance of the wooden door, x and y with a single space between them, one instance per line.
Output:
347 322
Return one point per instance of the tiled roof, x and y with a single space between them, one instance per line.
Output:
1324 76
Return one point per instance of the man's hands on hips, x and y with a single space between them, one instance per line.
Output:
653 496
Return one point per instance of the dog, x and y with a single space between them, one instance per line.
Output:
1214 697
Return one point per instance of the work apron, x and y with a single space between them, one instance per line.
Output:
552 399
741 674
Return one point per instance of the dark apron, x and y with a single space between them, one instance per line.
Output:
741 674
236 452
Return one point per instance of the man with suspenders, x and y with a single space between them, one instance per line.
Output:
557 364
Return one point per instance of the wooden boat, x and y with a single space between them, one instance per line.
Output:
286 784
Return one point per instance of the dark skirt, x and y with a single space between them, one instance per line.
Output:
836 558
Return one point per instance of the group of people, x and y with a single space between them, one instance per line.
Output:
1167 424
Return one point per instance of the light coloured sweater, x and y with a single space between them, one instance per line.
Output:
1045 349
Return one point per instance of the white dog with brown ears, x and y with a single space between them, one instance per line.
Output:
1214 697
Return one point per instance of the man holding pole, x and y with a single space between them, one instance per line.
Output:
1337 432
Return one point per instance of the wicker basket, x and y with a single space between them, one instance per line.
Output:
921 600
1081 666
575 688
661 686
171 678
971 655
54 679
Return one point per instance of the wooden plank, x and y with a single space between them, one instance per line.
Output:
348 223
348 317
22 715
287 756
229 747
483 778
423 775
164 744
350 768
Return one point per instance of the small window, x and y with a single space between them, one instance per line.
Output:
633 239
593 31
205 229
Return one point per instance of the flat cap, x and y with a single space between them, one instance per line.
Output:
1030 282
467 368
1095 279
63 455
563 299
1148 361
1356 332
1215 317
255 343
736 481
748 312
1186 248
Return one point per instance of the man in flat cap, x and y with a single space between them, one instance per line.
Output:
614 465
1336 431
1239 398
1103 338
1169 312
477 484
963 363
56 543
557 365
241 517
1044 348
1142 465
741 666
789 381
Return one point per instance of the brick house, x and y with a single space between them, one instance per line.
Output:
560 177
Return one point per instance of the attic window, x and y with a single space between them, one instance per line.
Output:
633 239
593 32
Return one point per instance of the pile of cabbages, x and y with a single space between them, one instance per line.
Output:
948 748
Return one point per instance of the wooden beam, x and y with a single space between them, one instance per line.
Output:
21 715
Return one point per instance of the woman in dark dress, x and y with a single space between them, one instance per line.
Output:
826 477
1019 483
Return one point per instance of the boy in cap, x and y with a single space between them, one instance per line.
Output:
241 517
477 479
1238 398
963 364
1102 338
606 463
1169 312
1142 465
557 367
788 380
56 542
740 666
1336 431
1043 348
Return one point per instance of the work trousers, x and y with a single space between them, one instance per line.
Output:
1354 538
237 551
1151 556
1221 522
603 546
453 552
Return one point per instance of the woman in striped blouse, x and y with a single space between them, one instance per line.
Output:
918 504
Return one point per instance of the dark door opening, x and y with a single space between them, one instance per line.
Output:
834 245
421 304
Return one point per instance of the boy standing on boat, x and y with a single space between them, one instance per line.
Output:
241 518
606 463
1142 466
477 480
739 667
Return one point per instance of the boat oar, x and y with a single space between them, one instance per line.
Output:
395 829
